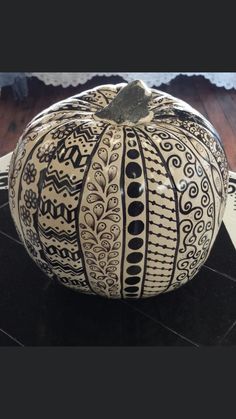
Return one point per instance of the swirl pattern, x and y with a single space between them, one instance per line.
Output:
118 210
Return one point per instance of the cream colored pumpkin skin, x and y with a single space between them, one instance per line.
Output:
116 210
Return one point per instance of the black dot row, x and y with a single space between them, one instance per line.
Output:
136 227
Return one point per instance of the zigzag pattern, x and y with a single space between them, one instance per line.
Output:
63 183
86 133
60 236
71 153
52 250
67 268
64 188
47 207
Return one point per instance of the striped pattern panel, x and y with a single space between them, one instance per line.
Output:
58 210
162 226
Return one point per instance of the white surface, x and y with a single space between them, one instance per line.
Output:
227 80
4 167
4 162
230 210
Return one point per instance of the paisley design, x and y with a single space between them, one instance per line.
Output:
120 209
104 242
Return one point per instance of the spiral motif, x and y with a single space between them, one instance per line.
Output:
205 200
187 227
202 239
181 277
180 147
206 244
191 253
189 170
193 264
205 185
183 264
190 157
182 185
150 129
193 190
198 213
210 210
166 146
174 160
123 210
199 228
209 225
199 169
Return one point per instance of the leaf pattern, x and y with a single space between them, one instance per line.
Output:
116 146
90 261
110 269
116 246
101 227
91 187
107 236
94 197
86 235
100 179
96 269
98 210
90 255
113 262
112 203
112 255
101 284
112 189
110 281
102 264
98 249
103 154
106 141
113 217
106 245
102 220
97 166
115 230
90 220
88 245
113 157
112 171
114 276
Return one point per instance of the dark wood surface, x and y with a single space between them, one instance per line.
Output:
217 104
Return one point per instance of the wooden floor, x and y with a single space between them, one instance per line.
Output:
216 103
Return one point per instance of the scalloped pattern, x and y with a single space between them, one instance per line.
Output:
220 79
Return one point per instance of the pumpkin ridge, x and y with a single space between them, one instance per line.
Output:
147 213
173 189
35 147
78 228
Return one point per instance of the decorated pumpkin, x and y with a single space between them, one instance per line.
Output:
119 191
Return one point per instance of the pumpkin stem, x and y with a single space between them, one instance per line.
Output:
129 107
